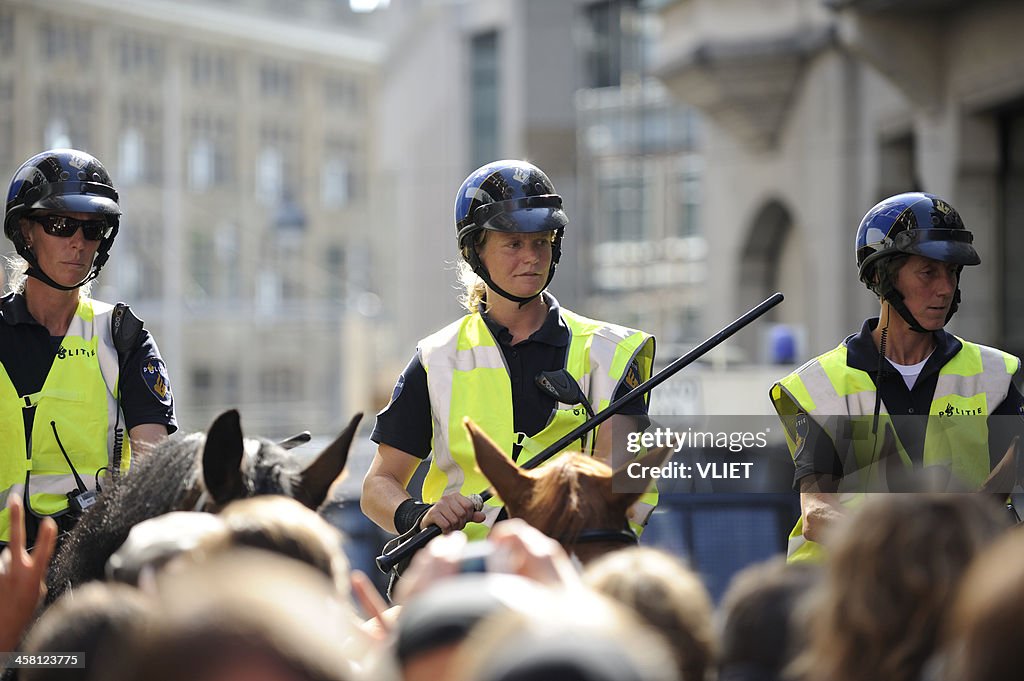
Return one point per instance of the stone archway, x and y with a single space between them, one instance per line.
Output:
772 259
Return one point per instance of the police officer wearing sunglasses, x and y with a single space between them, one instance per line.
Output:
82 384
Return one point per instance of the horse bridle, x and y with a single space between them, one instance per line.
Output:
593 536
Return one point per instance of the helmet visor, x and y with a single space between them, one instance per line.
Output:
78 197
526 215
945 245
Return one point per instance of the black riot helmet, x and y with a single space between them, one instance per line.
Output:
508 196
911 224
67 181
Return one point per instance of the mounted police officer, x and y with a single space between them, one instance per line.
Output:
902 394
509 224
76 375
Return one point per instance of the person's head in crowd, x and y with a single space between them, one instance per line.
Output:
283 525
984 632
94 623
153 543
245 614
434 624
575 635
892 574
667 595
759 619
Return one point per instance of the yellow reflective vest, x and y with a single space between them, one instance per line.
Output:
841 400
467 376
78 400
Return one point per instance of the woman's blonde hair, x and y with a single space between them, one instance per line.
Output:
474 290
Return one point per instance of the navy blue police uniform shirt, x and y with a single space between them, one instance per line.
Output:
908 408
405 422
27 351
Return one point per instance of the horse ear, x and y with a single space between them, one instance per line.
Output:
222 458
511 482
316 479
632 487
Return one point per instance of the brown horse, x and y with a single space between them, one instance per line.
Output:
574 498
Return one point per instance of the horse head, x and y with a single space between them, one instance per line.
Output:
195 472
574 498
235 467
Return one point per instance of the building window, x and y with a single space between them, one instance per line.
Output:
688 198
485 93
335 183
344 91
334 264
610 47
62 42
137 55
277 81
140 142
68 116
625 203
276 165
57 134
200 165
279 384
210 156
270 176
213 71
130 157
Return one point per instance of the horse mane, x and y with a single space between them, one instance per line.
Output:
567 498
158 483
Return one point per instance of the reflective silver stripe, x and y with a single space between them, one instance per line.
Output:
440 356
106 354
827 402
17 488
794 545
58 484
993 380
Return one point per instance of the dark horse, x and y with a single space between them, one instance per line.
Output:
575 498
196 472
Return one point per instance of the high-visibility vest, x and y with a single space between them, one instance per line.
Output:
467 376
79 399
841 400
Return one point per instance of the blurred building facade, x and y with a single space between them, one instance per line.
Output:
564 85
242 149
817 109
640 176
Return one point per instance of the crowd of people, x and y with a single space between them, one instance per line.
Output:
917 586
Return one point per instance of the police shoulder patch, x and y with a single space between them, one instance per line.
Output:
154 375
802 427
633 375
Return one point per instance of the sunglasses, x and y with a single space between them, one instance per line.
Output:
63 226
